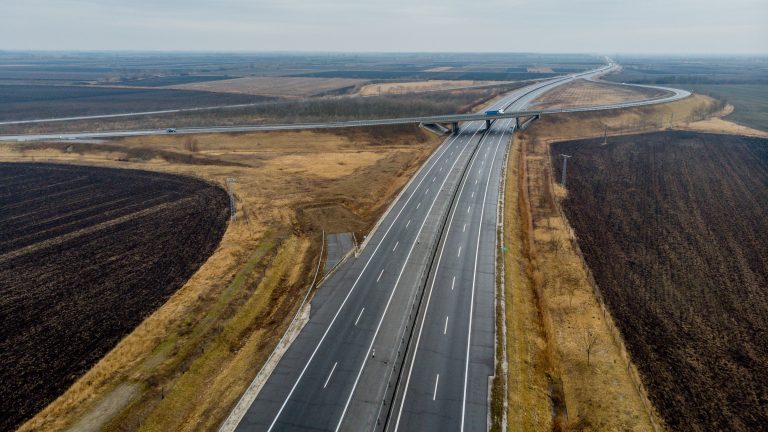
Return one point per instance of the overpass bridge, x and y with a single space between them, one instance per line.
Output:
442 123
452 121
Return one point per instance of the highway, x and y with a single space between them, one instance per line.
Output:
402 336
674 94
444 382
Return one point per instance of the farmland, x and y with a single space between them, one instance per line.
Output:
85 255
19 102
219 328
692 70
672 226
551 303
276 86
419 86
291 111
750 102
46 85
590 93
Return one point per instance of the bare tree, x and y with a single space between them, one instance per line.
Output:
588 342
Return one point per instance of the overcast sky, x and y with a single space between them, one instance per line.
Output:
598 26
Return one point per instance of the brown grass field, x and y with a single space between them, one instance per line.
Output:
552 309
587 93
670 224
419 86
288 87
219 327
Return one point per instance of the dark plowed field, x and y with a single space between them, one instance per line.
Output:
675 228
85 255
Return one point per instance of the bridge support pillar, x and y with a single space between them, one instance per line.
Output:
517 122
487 124
528 122
455 128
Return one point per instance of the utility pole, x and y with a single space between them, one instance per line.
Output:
565 167
232 206
605 135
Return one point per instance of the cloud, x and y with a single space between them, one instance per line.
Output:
694 26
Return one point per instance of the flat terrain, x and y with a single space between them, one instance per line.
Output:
418 86
290 87
85 255
291 111
589 93
672 226
750 102
219 328
19 102
551 302
46 85
692 70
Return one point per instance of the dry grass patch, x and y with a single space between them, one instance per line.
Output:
716 124
564 353
678 114
291 87
419 86
589 93
328 165
216 331
528 368
540 69
598 393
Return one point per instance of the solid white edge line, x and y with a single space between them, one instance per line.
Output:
397 282
429 297
239 410
474 279
354 285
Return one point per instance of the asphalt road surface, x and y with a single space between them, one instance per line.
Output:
402 336
675 94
